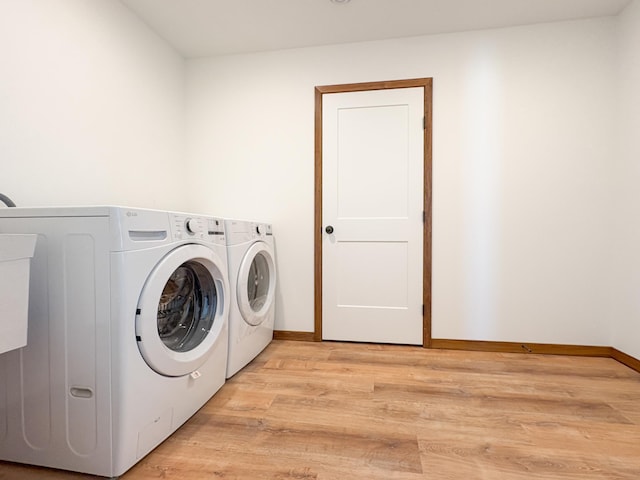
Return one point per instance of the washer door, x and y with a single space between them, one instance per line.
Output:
256 283
182 310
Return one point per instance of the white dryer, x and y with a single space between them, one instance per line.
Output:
252 279
127 335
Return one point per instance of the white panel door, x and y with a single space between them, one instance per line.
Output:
372 203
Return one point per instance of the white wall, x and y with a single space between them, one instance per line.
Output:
625 321
523 140
91 106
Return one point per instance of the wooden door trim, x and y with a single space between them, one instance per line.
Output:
427 85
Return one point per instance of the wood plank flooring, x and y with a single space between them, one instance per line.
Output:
354 411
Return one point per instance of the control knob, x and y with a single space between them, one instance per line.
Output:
191 224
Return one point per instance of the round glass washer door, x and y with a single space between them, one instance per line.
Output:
256 283
182 310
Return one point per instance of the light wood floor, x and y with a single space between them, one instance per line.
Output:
346 411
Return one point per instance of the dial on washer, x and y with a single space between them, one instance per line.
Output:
191 225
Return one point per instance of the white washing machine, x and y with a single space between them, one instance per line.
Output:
127 335
252 279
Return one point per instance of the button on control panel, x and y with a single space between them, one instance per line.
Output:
215 226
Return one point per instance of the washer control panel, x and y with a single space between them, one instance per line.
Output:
200 228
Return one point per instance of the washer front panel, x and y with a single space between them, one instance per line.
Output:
181 310
256 283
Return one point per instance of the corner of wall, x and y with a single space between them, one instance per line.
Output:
625 284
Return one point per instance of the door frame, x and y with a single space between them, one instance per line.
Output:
427 85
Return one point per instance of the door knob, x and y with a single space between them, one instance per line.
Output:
329 229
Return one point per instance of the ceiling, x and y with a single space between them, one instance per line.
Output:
198 28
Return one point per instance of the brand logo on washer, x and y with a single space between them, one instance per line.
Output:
132 214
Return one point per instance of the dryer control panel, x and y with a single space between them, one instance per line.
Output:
239 231
262 229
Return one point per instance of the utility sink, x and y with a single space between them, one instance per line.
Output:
16 252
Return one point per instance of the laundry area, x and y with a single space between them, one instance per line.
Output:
197 195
